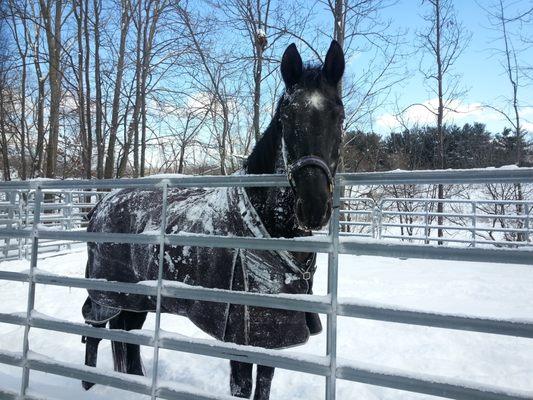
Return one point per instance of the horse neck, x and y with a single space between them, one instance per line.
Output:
274 205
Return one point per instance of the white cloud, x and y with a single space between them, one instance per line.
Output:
457 112
528 126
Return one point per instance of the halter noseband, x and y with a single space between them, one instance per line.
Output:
304 162
309 161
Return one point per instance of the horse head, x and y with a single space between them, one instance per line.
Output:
311 115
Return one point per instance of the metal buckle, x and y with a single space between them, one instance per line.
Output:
306 275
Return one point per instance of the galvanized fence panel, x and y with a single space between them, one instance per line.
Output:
329 365
65 209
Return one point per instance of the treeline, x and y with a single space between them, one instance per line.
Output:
469 146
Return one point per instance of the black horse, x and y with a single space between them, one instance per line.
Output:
303 141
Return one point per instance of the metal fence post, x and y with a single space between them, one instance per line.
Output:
374 220
380 219
31 290
20 221
162 231
27 221
67 214
526 225
474 208
333 263
9 222
426 222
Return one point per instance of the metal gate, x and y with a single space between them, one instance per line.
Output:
328 365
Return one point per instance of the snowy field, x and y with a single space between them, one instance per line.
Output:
489 290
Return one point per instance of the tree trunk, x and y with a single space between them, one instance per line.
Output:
3 137
53 38
225 131
258 70
85 155
181 164
100 141
124 25
38 163
339 35
141 32
88 118
23 171
37 167
144 72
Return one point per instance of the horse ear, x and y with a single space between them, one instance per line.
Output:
291 65
334 64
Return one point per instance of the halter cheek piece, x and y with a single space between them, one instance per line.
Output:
309 161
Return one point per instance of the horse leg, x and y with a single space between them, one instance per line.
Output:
118 348
134 362
263 381
127 356
91 353
241 379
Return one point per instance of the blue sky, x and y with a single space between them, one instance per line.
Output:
480 69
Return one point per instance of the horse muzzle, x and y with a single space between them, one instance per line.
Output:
312 183
311 217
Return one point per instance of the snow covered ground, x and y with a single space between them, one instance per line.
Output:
479 289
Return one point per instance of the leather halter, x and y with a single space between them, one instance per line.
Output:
305 161
309 161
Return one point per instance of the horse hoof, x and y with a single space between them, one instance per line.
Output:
87 385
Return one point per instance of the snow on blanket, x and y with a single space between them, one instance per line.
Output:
488 290
218 211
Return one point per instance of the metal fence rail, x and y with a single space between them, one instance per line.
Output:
328 366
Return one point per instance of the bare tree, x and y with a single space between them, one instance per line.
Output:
359 28
214 87
253 19
147 18
510 61
513 66
443 41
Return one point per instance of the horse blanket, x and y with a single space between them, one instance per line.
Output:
217 211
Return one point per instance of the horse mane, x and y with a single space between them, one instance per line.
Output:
262 159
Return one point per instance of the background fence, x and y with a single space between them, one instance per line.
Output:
467 222
61 209
328 366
